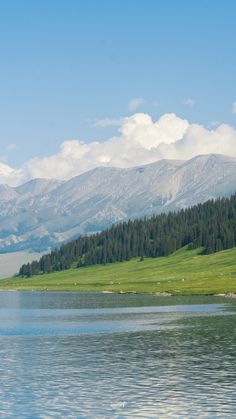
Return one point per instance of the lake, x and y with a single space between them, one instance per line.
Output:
96 355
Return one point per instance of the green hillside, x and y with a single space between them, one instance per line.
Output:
210 226
184 272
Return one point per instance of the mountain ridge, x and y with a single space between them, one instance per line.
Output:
44 213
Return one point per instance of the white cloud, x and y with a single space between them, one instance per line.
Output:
135 103
140 140
189 102
108 122
234 107
140 129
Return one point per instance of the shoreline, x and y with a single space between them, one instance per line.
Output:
230 295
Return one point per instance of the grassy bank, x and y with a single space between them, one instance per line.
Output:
183 273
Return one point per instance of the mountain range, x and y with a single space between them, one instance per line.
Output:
44 213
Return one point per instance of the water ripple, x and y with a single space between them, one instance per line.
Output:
125 362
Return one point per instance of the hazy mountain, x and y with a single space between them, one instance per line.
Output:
37 186
43 213
7 193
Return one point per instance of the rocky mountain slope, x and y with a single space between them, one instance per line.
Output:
43 213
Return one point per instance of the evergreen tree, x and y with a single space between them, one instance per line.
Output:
211 225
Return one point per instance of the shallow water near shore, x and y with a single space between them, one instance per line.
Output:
92 355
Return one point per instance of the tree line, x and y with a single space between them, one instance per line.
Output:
211 226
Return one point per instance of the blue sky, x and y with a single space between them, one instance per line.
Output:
66 64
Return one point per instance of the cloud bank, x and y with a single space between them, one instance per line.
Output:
140 140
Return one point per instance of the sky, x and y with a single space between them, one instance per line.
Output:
119 83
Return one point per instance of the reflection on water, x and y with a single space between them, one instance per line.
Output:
88 355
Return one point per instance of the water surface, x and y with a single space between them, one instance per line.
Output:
93 355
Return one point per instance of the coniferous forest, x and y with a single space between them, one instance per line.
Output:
211 226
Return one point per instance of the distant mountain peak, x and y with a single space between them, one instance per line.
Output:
7 193
46 212
37 186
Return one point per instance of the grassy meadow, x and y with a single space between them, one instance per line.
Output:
185 272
